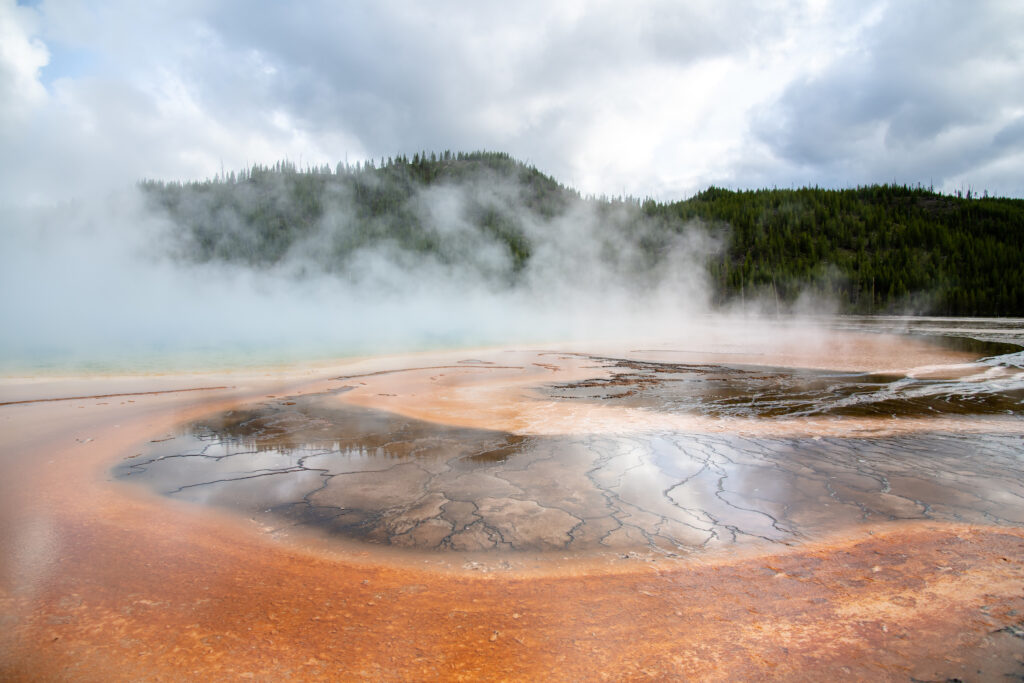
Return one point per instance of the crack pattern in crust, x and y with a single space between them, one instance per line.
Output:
387 479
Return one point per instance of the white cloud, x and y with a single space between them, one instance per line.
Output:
925 95
652 98
22 56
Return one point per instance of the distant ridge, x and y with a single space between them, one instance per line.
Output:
874 249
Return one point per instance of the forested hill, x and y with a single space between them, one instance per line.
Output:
872 249
876 249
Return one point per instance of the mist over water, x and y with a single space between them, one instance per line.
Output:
283 267
102 284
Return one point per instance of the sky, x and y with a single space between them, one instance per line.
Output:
652 99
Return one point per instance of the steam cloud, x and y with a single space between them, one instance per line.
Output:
103 282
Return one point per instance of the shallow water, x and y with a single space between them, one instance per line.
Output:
437 488
380 477
992 387
958 330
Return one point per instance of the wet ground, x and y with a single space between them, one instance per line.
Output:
988 388
381 477
716 541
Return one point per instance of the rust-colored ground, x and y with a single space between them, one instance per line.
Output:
102 581
926 603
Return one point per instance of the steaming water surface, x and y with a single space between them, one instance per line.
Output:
378 476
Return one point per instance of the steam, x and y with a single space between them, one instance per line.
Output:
102 284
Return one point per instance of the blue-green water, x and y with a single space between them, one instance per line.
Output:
1003 337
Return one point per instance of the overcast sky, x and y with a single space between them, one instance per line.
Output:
648 98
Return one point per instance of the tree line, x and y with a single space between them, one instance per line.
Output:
881 248
873 249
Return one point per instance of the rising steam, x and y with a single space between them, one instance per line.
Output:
109 281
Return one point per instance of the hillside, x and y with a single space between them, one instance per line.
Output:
872 249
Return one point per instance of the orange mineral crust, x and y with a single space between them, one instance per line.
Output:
104 579
926 602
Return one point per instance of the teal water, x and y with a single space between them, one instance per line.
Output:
994 337
63 360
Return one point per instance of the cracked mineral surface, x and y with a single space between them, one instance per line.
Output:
691 456
890 464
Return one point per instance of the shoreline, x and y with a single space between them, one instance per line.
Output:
103 579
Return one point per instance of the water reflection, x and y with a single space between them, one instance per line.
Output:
383 478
